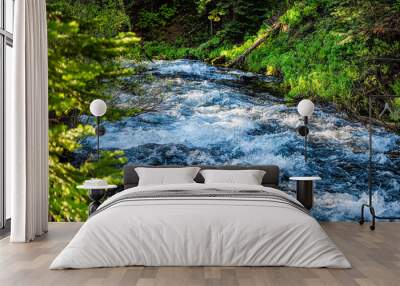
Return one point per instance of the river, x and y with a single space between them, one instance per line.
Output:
212 116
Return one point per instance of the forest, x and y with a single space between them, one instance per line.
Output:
334 51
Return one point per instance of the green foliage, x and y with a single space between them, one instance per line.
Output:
397 5
164 50
311 65
330 59
105 20
216 14
232 20
80 63
195 21
83 65
67 203
148 20
395 115
299 12
396 87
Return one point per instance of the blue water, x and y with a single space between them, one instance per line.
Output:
208 115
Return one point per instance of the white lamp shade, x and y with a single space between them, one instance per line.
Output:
305 107
98 107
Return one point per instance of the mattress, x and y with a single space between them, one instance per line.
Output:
201 225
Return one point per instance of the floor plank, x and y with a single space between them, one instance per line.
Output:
375 257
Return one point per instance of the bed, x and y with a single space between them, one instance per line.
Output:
197 224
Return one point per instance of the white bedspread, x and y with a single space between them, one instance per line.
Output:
200 231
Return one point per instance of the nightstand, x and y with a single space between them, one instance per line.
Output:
96 194
304 190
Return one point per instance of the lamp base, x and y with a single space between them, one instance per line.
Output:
374 216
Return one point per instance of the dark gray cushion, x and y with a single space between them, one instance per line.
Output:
270 179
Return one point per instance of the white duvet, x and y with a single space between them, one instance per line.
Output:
200 231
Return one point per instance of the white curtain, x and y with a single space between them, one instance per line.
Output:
27 124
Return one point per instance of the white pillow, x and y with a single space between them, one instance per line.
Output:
248 177
166 176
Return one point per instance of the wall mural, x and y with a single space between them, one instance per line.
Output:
164 108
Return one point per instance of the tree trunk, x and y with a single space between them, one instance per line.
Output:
240 59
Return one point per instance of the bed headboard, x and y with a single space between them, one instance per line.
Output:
271 177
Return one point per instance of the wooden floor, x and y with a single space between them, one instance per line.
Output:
375 257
